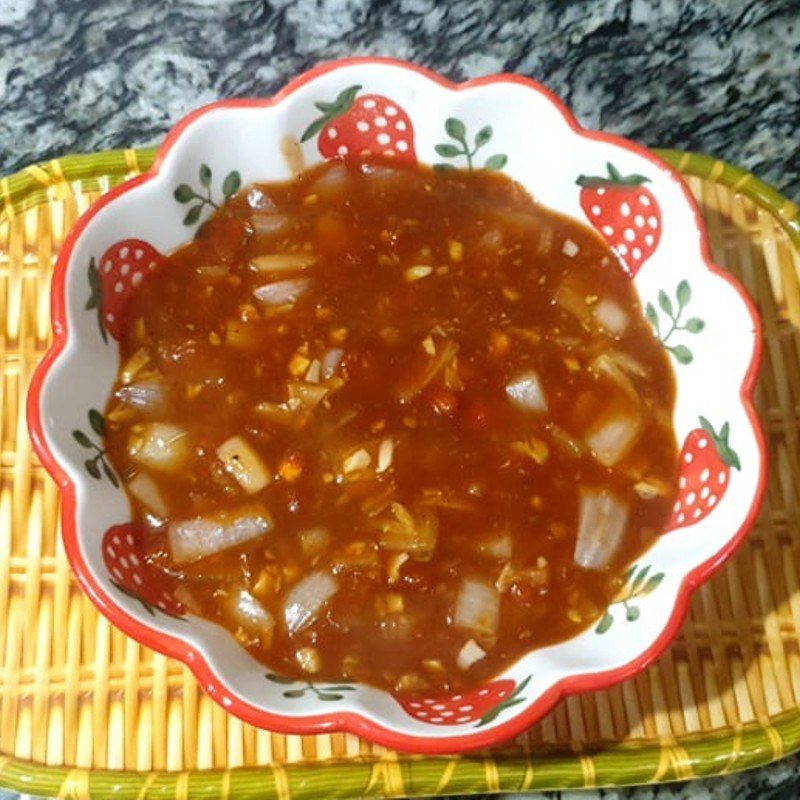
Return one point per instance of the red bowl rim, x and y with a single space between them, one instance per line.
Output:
348 721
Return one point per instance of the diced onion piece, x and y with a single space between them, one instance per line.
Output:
145 395
566 441
309 395
525 391
282 292
469 654
147 492
498 547
269 224
477 607
134 365
612 437
385 455
331 361
244 464
569 297
282 262
159 445
314 540
606 364
250 614
402 532
314 372
306 599
446 351
356 461
332 181
629 364
611 317
290 414
200 537
393 566
601 526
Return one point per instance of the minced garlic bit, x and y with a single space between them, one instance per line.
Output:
385 455
417 272
570 249
361 459
512 295
455 249
429 346
298 364
309 660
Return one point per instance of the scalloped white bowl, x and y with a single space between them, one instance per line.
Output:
546 151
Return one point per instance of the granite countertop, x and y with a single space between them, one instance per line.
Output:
715 76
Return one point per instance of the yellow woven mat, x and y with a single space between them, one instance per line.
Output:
75 692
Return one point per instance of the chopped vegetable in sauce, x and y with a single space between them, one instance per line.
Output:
401 433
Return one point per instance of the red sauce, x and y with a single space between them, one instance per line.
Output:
398 390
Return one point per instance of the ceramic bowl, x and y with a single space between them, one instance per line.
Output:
640 206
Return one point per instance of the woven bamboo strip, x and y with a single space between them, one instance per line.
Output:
78 696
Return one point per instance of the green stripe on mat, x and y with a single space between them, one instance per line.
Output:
699 755
617 765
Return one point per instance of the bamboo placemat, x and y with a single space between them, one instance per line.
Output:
87 712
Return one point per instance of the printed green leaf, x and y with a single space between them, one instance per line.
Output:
632 613
448 150
184 193
97 422
192 215
82 439
665 303
629 573
455 129
92 468
329 696
652 317
495 162
109 473
605 623
340 688
483 136
652 583
683 355
314 128
639 580
231 184
694 325
282 679
331 111
684 294
443 167
613 173
205 175
294 693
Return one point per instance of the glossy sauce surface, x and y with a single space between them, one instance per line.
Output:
364 415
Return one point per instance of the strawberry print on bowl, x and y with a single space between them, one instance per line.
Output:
121 270
354 126
399 111
625 213
132 575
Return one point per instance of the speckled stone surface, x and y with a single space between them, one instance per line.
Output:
716 76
